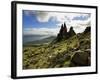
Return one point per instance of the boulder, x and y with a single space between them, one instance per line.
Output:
80 58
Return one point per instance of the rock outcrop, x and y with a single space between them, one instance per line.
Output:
81 58
63 34
88 29
71 32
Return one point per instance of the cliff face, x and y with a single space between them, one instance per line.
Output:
71 32
63 34
88 29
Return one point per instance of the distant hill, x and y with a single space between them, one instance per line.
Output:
30 38
41 41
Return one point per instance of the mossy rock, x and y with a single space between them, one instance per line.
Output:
80 58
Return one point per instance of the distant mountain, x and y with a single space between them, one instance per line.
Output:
30 38
42 41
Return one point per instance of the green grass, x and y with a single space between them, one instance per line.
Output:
54 55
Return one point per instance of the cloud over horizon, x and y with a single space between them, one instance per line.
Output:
40 31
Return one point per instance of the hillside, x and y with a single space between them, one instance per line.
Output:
41 41
63 51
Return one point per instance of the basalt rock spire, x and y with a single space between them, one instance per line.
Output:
64 34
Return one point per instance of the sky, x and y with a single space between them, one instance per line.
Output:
49 23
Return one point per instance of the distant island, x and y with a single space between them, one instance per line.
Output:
67 49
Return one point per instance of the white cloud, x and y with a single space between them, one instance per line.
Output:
69 18
60 17
44 16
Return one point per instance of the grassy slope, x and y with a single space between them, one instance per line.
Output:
55 55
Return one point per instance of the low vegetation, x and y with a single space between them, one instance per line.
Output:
71 52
